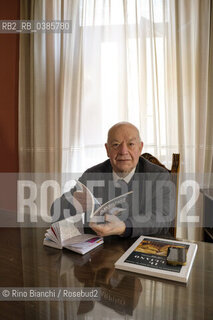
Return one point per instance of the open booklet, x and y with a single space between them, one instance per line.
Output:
65 234
114 206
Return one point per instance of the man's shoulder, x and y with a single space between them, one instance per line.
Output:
145 165
100 167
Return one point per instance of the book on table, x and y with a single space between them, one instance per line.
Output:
159 258
68 234
65 234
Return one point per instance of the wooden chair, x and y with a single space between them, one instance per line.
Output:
174 172
175 161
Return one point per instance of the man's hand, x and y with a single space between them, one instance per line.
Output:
83 203
113 226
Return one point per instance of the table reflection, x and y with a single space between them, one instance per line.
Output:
119 291
123 294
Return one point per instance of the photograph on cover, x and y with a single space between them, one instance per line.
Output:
153 253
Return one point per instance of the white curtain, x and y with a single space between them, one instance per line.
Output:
144 61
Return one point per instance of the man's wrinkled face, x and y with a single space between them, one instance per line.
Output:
124 148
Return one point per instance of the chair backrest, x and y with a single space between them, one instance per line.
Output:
175 161
174 175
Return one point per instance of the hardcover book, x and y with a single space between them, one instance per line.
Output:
151 256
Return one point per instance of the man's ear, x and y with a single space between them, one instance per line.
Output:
107 149
141 146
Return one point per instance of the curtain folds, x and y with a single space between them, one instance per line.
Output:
144 61
40 90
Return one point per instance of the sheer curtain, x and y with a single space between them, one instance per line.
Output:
40 85
144 61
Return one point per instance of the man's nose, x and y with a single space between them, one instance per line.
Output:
123 148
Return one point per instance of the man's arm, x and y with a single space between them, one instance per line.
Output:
69 204
159 214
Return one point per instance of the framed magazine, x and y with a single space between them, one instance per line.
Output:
148 255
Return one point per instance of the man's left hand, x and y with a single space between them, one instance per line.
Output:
113 226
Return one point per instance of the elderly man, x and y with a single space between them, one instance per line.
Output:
151 209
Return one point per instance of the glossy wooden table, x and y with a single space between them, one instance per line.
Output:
25 262
207 214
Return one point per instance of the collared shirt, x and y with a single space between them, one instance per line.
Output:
128 224
126 179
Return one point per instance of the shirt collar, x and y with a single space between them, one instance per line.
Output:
126 179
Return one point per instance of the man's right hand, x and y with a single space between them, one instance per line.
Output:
112 226
82 201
